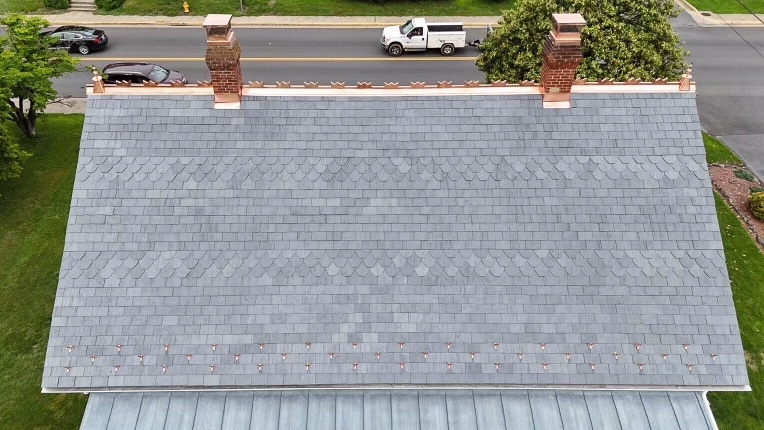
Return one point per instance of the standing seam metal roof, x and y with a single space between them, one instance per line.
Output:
399 410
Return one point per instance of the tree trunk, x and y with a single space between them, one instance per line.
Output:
32 120
27 123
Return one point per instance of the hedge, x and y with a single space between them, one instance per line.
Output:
108 4
56 4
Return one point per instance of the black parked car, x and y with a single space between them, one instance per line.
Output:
138 73
77 38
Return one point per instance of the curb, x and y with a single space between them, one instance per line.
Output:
234 24
703 19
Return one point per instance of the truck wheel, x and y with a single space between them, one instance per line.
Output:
395 50
447 49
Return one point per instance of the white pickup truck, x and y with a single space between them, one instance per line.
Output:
418 35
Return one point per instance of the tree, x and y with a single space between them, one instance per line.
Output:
622 39
11 155
29 62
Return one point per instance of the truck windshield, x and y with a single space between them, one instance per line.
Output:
405 28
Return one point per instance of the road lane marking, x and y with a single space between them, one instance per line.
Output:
282 59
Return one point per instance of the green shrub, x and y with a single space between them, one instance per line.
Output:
755 189
108 4
757 205
394 2
745 175
56 4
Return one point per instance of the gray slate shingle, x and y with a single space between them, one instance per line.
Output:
468 220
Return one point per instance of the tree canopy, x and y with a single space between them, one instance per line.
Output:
28 63
622 39
11 155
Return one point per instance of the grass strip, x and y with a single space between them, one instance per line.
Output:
729 6
745 262
718 153
33 217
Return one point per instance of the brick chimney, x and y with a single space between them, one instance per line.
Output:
562 55
223 54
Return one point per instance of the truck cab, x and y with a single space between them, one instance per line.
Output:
418 35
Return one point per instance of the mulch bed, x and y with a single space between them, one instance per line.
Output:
735 192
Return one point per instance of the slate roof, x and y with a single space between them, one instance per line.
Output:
399 410
394 225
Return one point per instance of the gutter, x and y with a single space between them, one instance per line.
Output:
710 419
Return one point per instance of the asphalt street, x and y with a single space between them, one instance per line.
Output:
728 65
285 54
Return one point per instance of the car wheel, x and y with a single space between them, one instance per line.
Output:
447 49
83 49
395 50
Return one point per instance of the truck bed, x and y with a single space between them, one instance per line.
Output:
436 39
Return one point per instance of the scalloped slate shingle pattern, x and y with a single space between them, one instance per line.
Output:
431 230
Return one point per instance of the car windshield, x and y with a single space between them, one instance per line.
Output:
405 28
159 74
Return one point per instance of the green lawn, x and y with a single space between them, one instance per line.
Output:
718 153
296 7
745 262
33 214
318 7
348 7
22 6
729 6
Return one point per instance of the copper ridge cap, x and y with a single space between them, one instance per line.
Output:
397 386
393 88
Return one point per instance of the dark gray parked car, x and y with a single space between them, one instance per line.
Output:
139 72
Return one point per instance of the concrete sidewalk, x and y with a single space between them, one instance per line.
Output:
85 18
701 18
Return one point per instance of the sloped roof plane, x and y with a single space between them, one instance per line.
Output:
393 241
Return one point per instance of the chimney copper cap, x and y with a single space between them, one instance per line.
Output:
568 22
217 20
217 25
